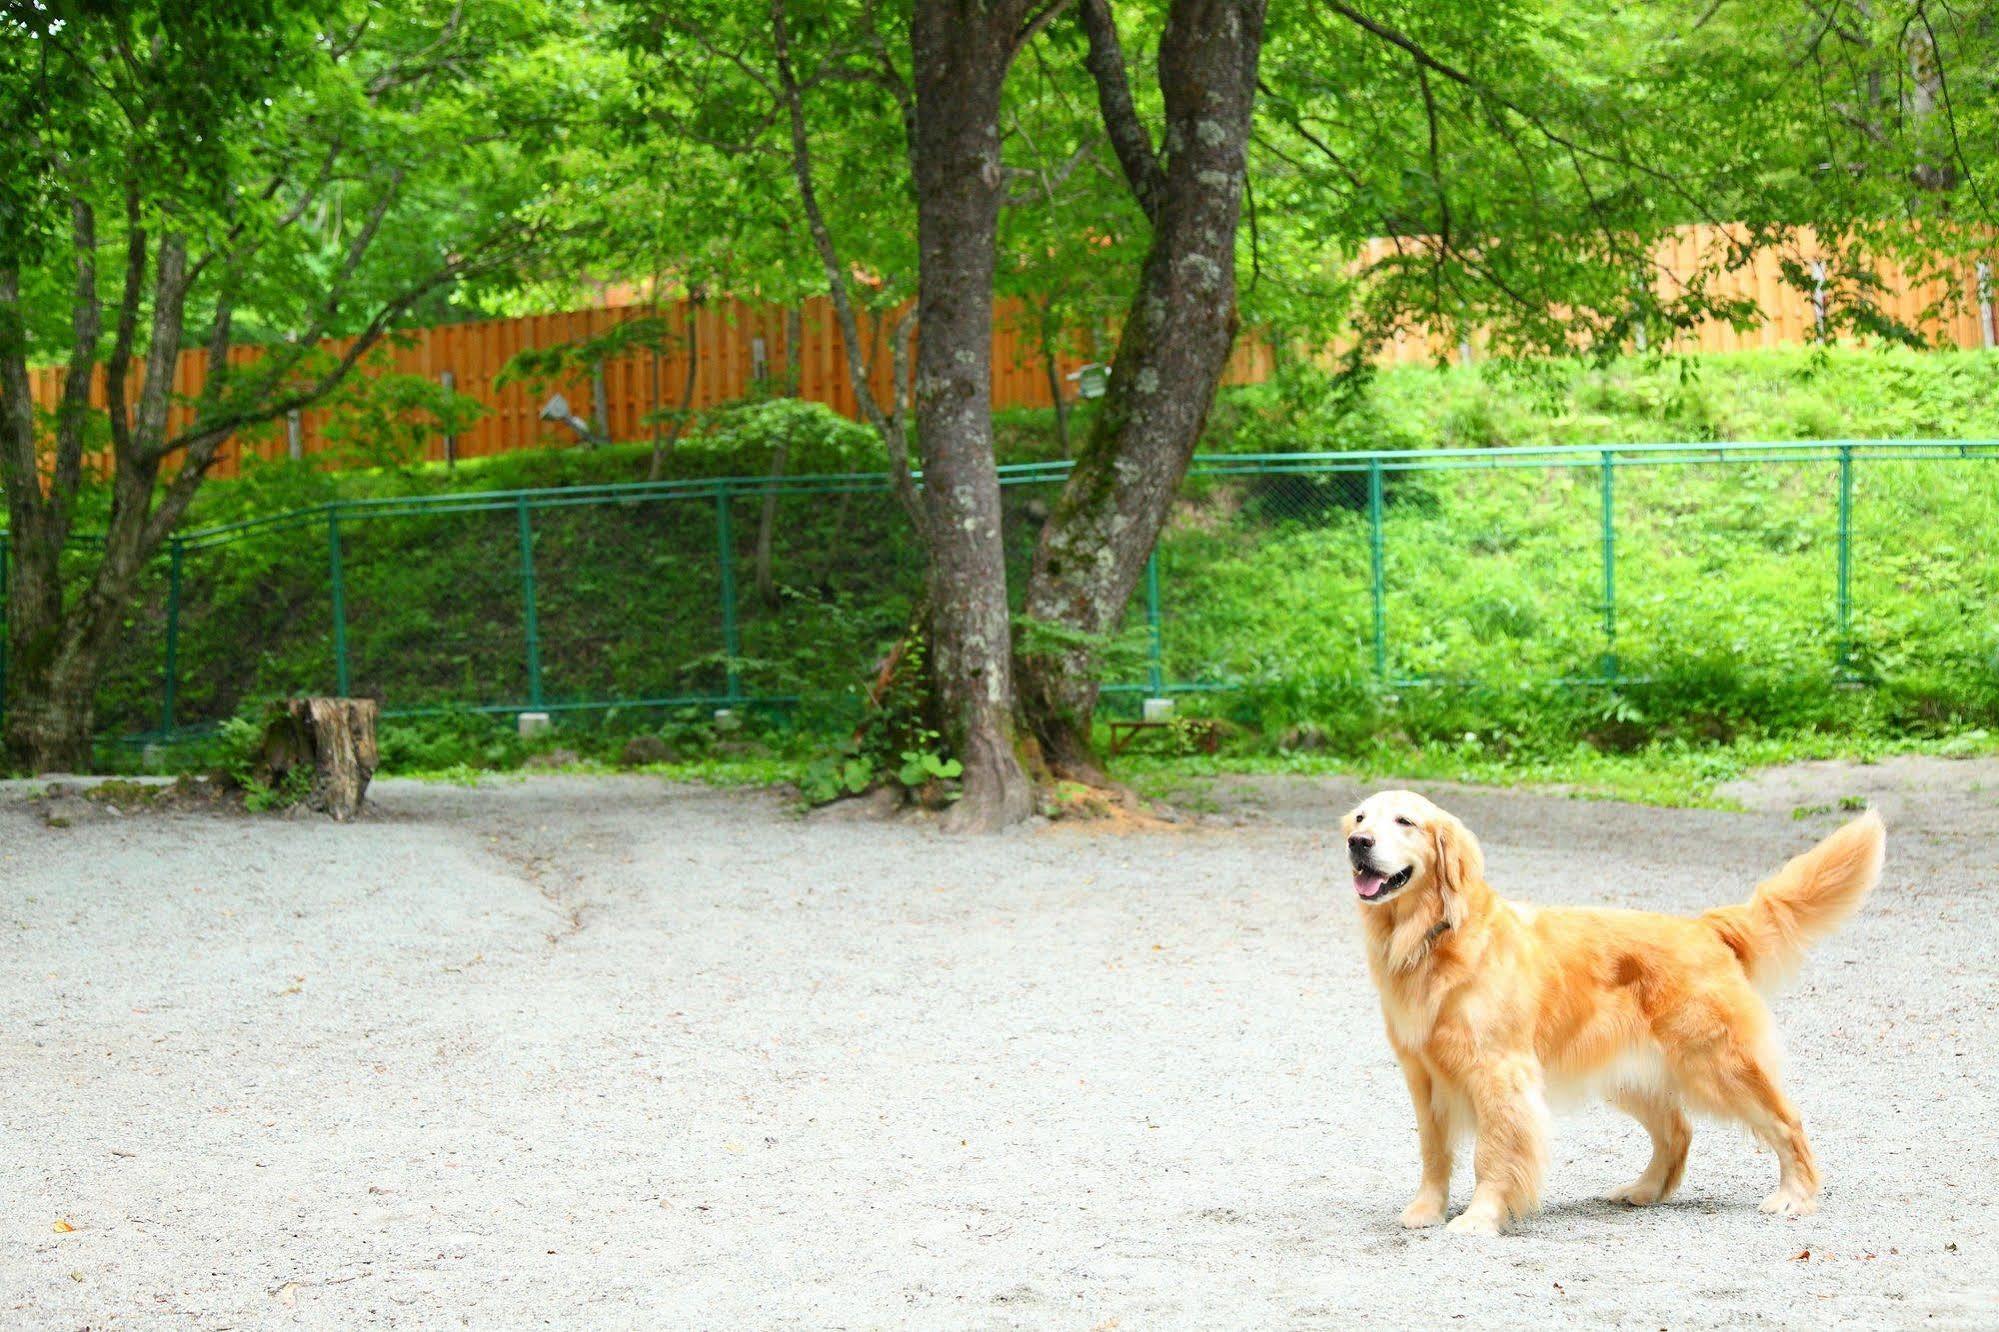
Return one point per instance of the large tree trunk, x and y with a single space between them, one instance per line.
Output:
962 49
1171 353
57 652
50 724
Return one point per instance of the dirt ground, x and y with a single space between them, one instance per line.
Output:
609 1053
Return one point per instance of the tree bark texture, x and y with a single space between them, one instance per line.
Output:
335 739
962 50
1172 351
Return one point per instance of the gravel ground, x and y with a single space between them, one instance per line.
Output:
608 1053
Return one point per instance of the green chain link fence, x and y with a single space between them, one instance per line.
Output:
1825 562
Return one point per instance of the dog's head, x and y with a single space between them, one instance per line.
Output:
1398 841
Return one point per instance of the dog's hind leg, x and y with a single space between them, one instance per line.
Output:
1736 1076
1433 1137
1662 1117
1512 1153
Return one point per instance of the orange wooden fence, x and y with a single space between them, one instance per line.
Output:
737 340
1790 316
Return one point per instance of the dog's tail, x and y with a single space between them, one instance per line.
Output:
1803 902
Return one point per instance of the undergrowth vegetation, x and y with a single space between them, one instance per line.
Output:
1726 639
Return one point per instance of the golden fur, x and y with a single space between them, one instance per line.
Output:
1493 1006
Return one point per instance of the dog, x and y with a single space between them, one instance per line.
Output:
1493 1007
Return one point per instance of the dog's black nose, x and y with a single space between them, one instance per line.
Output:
1359 842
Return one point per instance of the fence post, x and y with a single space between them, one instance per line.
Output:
1609 570
172 671
339 600
1376 576
725 547
530 611
1155 666
1843 610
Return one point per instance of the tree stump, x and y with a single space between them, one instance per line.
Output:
335 739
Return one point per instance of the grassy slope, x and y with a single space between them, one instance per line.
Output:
1724 593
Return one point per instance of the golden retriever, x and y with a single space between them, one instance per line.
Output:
1494 1006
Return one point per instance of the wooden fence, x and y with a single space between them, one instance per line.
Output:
736 341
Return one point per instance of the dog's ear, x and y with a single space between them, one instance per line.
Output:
1460 863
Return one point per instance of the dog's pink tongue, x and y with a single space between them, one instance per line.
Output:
1367 884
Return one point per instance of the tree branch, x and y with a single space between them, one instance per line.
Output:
120 363
17 430
888 424
202 439
1129 137
86 330
1402 41
1034 24
163 347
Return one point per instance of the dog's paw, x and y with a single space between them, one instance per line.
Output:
1473 1223
1790 1202
1425 1211
1638 1193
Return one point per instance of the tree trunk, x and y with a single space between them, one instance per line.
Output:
794 351
1054 368
335 738
56 653
1171 353
767 528
600 407
50 729
794 326
962 49
660 444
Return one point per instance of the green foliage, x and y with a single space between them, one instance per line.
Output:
386 419
895 744
240 742
1724 588
240 749
1115 655
539 365
815 438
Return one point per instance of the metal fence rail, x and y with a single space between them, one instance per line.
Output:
1571 564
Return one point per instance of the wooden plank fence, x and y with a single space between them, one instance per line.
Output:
737 339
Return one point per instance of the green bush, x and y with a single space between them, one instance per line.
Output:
740 439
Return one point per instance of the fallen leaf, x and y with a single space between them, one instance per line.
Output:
1801 1255
63 1227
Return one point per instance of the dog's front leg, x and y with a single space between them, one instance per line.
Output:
1512 1148
1433 1137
